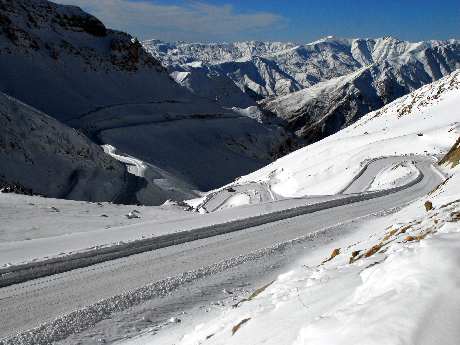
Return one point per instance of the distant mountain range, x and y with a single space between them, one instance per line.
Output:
318 88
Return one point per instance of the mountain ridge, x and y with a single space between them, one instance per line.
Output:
388 68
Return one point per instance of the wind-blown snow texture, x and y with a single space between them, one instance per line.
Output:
67 64
374 72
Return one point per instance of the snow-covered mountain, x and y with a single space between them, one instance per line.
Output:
178 53
250 65
323 86
208 83
396 70
67 64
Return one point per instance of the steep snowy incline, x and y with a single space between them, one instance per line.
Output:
327 107
45 47
423 122
371 74
40 155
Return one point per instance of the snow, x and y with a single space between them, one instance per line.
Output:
317 88
397 298
261 65
112 90
393 280
47 157
393 176
28 218
134 166
237 200
424 122
78 227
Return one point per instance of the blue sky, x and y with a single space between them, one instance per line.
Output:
283 20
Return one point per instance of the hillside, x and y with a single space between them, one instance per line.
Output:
425 122
42 156
391 273
67 64
387 279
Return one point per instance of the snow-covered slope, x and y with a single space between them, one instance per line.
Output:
208 83
244 63
423 122
45 47
67 64
40 155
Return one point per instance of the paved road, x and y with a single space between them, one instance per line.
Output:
27 305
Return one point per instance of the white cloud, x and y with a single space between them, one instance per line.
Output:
191 21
